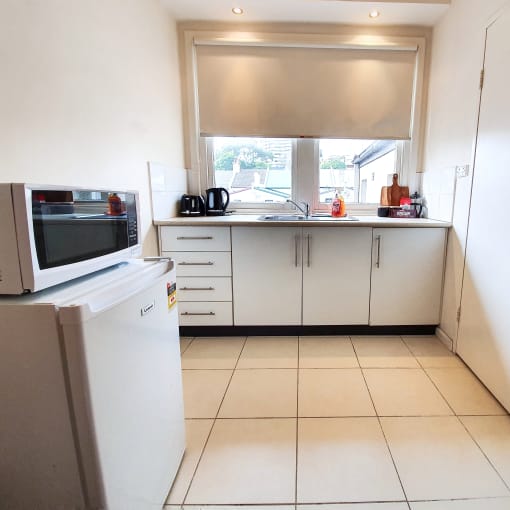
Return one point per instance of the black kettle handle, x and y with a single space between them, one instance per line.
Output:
224 191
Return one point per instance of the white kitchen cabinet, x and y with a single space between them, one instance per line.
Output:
267 275
407 276
202 256
336 275
294 276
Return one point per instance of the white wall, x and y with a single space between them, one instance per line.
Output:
457 52
89 93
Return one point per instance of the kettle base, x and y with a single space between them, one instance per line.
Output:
214 212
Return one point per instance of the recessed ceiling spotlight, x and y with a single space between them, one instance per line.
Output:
237 10
374 14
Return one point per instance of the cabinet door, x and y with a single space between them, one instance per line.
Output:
407 276
266 275
336 275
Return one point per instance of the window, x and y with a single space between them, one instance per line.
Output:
264 172
356 169
349 130
253 170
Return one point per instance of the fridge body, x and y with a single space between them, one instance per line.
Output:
94 416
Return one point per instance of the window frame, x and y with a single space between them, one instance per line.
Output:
305 185
207 170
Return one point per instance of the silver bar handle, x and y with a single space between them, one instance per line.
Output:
196 288
195 264
378 259
156 259
308 260
198 313
205 238
296 241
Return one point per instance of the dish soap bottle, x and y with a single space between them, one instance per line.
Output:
338 206
335 206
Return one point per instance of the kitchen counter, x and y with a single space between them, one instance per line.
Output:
253 221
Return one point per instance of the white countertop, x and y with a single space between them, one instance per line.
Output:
252 220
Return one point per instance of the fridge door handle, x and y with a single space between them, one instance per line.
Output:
170 261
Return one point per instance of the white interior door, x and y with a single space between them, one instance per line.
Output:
484 329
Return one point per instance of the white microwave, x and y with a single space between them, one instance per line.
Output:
53 234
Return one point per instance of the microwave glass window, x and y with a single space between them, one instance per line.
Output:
72 226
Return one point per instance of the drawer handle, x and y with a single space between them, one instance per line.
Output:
198 313
196 288
378 260
205 238
195 264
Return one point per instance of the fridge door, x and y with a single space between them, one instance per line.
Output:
123 361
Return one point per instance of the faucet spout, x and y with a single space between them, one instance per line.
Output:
305 210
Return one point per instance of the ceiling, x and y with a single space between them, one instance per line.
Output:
396 12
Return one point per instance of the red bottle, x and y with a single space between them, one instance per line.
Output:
114 204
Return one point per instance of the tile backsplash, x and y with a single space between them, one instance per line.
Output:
167 187
438 190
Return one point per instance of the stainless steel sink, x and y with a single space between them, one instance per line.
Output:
298 217
323 217
282 217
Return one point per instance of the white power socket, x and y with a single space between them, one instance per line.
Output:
462 171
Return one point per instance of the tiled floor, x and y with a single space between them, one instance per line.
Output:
338 423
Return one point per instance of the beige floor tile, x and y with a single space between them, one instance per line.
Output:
196 436
206 353
356 506
404 392
383 352
247 462
326 352
240 507
203 391
467 504
431 352
492 433
344 460
185 342
261 393
464 392
437 459
333 392
269 352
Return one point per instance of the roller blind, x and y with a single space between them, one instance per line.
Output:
305 92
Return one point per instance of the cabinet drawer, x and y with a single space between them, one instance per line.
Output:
201 263
195 238
204 289
205 314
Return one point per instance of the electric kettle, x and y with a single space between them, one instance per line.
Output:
216 201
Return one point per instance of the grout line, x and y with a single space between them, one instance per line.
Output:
213 424
438 390
188 346
483 453
297 429
382 430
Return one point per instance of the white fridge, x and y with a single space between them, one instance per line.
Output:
91 410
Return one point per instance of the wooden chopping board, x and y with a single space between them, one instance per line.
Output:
391 195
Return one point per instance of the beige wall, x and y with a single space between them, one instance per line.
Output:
457 53
89 93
